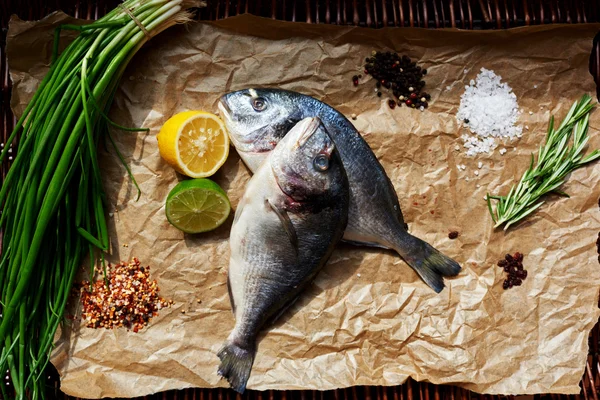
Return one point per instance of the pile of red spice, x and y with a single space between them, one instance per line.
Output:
513 266
129 300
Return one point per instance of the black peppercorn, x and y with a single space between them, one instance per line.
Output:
453 235
378 94
400 74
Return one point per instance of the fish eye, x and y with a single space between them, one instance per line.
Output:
259 104
321 163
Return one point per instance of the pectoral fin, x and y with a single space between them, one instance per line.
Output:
287 225
230 295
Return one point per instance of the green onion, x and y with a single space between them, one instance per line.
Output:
53 212
556 159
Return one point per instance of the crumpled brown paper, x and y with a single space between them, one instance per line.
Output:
367 319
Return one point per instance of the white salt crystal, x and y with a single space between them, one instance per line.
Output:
467 179
466 70
535 86
530 112
502 151
526 127
479 165
476 173
358 275
491 109
448 88
457 148
478 185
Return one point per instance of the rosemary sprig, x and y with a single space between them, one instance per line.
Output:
556 159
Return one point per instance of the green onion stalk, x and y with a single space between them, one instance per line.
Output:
53 200
556 159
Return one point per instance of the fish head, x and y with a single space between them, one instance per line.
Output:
257 119
306 163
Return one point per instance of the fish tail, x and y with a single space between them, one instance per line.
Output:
431 265
236 364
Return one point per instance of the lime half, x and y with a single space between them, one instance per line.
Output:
197 205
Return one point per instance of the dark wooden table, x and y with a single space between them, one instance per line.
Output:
464 14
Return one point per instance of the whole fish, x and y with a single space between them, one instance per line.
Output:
291 216
257 119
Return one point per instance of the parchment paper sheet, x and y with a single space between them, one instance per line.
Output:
367 319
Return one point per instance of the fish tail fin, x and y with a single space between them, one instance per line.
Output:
431 265
236 364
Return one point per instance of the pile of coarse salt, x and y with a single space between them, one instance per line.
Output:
489 109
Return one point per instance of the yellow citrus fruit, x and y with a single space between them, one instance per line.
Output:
195 143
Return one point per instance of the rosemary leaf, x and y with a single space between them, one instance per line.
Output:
556 159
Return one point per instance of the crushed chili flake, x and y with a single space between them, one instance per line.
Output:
129 300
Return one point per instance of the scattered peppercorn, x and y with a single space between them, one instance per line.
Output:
408 102
392 104
466 120
513 266
453 235
130 299
400 75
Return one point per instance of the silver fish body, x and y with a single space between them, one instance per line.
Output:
292 214
257 119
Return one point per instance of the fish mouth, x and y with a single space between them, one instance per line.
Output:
226 113
224 108
312 124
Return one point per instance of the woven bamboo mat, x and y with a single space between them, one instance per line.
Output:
465 14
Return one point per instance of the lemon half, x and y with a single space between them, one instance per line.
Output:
195 143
